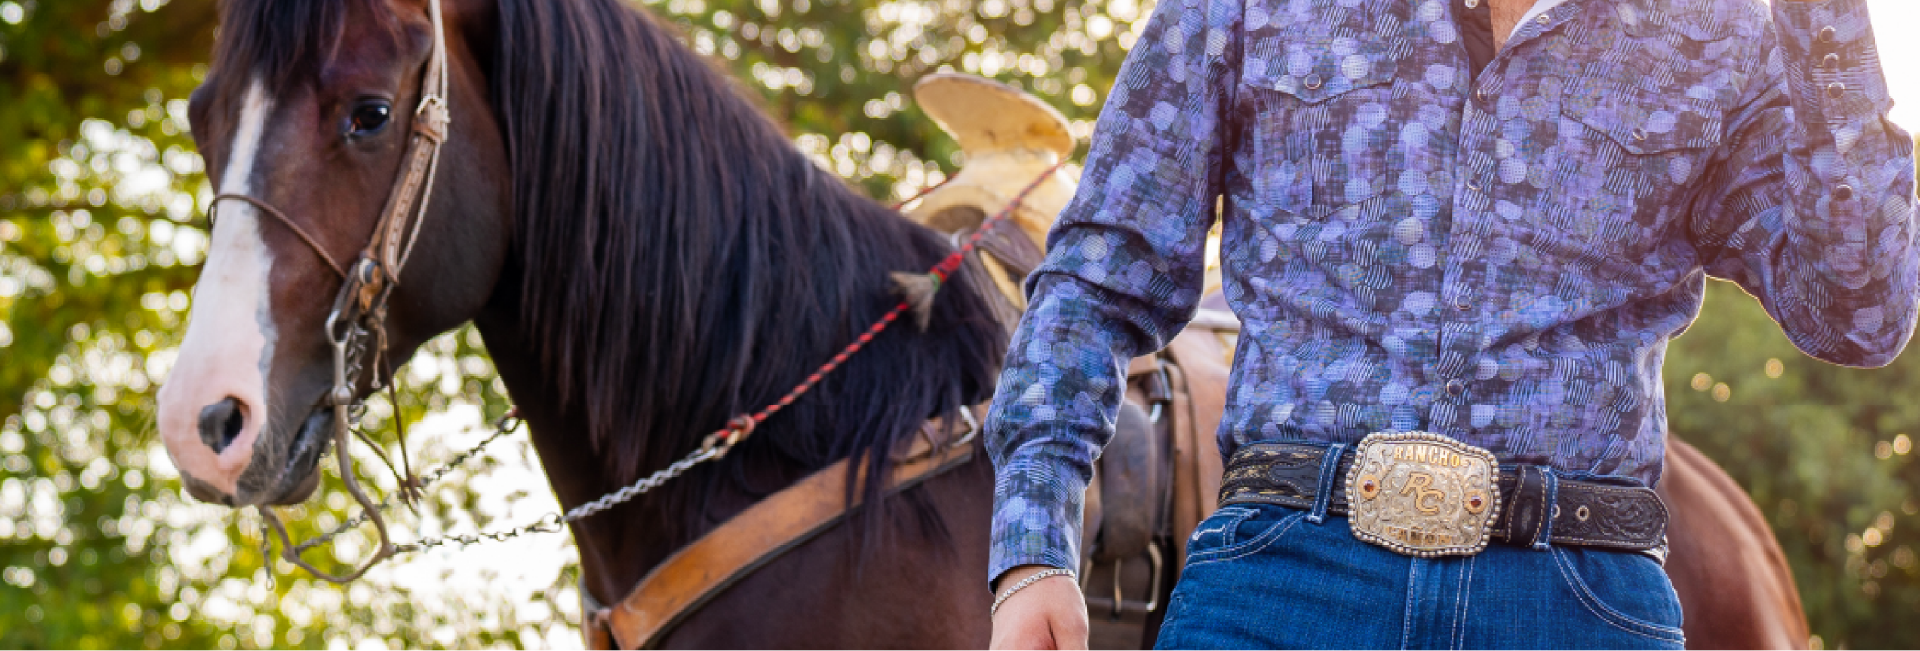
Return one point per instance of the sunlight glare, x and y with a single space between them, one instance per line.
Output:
1900 56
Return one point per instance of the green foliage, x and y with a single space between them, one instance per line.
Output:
1825 451
100 194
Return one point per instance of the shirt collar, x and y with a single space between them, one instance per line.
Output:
1539 7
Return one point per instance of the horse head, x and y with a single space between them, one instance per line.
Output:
304 119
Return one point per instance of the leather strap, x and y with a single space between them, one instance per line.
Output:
213 214
1536 507
406 208
399 226
709 565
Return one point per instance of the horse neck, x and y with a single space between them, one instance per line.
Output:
679 262
619 547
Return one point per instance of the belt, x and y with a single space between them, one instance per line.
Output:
1535 507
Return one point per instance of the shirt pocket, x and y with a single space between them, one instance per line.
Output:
1644 146
1625 166
1317 118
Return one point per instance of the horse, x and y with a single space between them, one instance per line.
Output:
646 257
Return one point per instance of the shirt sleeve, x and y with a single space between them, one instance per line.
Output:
1123 274
1810 206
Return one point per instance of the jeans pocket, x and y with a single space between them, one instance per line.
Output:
1235 531
1626 591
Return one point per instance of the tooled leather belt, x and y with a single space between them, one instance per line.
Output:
1533 508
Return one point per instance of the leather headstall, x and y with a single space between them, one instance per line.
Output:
356 325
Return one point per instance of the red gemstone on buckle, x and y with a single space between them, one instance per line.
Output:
1369 487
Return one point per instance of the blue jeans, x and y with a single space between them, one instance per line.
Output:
1266 577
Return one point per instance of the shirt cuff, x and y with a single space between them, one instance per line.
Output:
1037 511
1832 62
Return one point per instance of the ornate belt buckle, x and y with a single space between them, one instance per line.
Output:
1423 494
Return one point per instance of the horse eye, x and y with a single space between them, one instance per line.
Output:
368 119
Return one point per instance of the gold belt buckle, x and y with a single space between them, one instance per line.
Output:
1423 494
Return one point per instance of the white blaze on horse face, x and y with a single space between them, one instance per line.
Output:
230 332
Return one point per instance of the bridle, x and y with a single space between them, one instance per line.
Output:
356 329
356 326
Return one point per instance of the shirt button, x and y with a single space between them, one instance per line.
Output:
1473 186
1843 192
1473 4
1827 35
1544 19
1640 134
1313 82
1832 62
1462 304
1456 388
1836 89
1481 94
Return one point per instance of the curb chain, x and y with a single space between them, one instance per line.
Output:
712 449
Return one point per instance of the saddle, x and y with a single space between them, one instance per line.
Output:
1155 481
1160 474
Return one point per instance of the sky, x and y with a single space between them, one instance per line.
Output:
1894 24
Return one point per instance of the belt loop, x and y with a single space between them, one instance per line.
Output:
1543 535
1329 479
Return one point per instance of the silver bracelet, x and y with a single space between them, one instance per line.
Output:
1022 585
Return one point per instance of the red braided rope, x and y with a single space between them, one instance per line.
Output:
739 427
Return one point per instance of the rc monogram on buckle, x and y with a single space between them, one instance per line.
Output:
1423 494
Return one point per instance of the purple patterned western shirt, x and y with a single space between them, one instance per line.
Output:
1498 257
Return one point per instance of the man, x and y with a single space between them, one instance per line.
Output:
1475 221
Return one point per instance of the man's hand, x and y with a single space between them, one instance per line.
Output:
1050 614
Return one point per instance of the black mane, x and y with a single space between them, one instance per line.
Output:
682 262
679 260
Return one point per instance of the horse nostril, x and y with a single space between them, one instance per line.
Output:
221 422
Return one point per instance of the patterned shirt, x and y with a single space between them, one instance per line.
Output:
1500 258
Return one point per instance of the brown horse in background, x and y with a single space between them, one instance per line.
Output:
646 256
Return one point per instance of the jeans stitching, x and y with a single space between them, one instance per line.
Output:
1329 466
1610 616
1550 484
1249 547
1406 623
1460 613
1235 515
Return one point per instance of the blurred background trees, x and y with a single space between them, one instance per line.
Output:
101 237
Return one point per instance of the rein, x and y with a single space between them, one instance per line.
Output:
356 328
